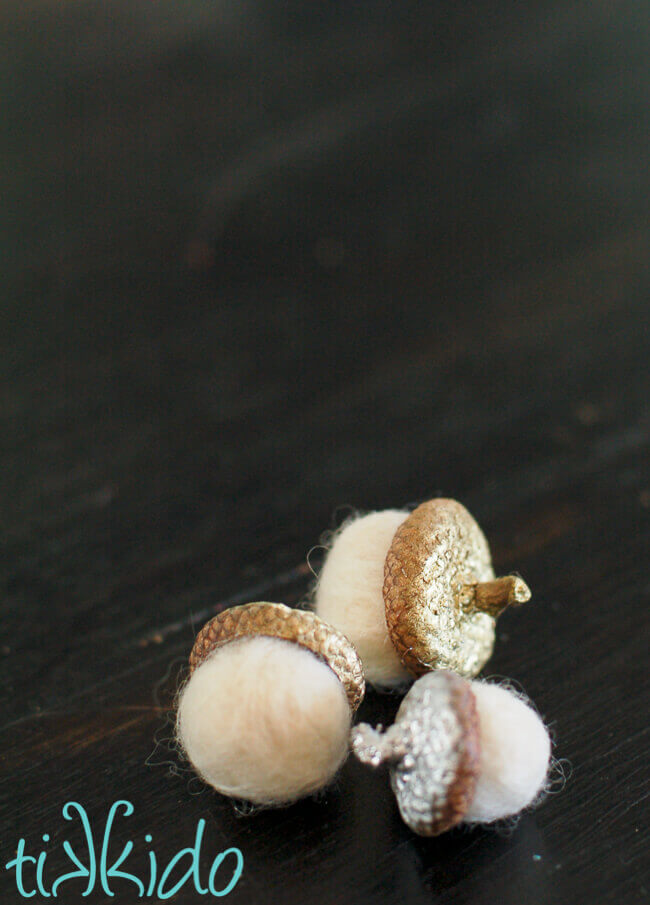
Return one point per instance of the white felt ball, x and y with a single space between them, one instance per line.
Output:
265 720
515 754
349 592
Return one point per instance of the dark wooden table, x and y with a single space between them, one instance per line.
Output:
264 262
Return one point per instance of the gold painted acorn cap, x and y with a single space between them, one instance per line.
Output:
275 620
441 597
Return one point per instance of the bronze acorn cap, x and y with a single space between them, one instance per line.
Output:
441 597
275 620
433 750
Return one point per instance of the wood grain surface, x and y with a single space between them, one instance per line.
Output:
266 263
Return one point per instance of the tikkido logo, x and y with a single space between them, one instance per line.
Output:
92 865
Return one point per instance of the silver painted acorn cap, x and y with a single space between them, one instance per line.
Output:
432 750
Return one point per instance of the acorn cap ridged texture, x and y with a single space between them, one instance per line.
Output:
275 620
433 750
437 557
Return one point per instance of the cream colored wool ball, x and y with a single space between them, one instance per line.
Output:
263 719
515 754
349 592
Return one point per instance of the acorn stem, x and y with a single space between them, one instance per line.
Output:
493 597
375 747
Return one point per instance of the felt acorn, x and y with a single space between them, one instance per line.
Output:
459 751
415 591
266 712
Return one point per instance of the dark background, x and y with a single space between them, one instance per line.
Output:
263 262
